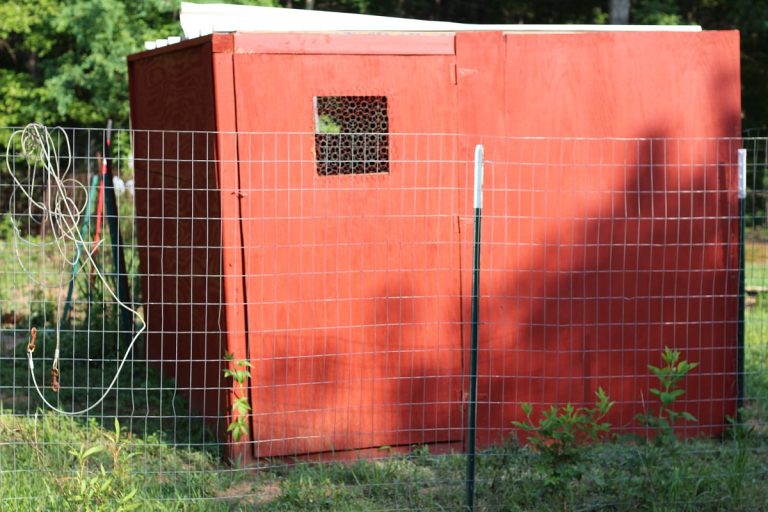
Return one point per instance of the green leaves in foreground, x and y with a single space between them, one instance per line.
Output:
559 435
559 430
239 373
669 376
100 489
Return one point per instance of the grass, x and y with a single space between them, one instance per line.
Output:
756 329
756 266
43 469
756 358
90 352
153 459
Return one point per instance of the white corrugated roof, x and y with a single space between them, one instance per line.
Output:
203 19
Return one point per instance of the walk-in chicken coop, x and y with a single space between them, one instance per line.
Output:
304 203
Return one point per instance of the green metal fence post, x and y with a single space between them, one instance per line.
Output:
742 162
472 406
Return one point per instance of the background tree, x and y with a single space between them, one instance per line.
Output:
63 61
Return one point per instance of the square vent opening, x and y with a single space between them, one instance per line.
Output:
351 135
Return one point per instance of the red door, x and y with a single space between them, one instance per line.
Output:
351 243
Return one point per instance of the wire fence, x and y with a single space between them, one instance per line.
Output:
206 320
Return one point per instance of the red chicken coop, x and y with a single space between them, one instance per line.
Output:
303 202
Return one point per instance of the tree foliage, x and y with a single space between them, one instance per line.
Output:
63 61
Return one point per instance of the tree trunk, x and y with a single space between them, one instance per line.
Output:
620 12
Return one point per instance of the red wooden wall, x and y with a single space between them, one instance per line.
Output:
177 218
187 218
620 247
349 294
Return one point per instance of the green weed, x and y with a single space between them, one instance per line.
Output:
239 373
670 375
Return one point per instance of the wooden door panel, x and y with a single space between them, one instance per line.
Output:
351 280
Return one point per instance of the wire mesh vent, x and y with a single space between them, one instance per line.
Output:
351 135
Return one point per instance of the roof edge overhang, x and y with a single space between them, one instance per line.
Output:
204 19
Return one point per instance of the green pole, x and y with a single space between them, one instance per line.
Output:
84 228
742 161
118 254
472 406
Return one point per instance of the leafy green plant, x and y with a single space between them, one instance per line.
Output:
117 449
558 437
669 391
560 429
666 464
239 373
99 490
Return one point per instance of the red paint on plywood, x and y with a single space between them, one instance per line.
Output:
351 302
349 294
345 44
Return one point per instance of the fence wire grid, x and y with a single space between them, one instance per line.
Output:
281 321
